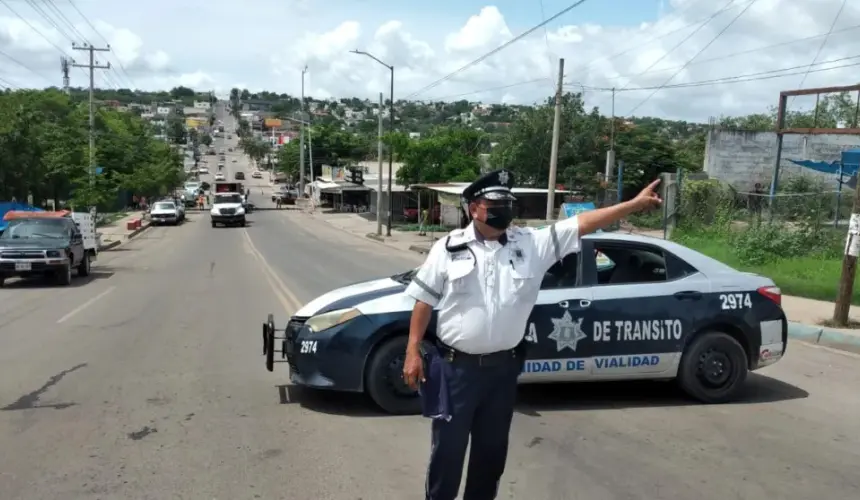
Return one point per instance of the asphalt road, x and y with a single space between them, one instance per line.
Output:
147 382
236 161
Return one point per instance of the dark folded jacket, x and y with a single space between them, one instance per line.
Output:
434 389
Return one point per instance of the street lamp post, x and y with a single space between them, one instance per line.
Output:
391 130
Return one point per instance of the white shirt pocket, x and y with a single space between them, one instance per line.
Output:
461 277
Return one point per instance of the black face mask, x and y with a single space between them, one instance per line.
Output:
499 217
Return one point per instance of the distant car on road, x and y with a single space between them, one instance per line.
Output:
165 212
257 174
625 307
220 177
203 170
239 176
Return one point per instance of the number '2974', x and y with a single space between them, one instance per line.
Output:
308 347
729 301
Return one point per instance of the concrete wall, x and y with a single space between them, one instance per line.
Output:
745 158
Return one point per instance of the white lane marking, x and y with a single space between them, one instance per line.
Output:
86 304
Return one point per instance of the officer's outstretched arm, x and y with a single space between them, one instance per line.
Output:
553 243
426 288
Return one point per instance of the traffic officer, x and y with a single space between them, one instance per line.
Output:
484 281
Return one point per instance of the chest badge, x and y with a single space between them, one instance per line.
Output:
566 332
518 255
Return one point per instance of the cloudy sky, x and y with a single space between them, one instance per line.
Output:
724 57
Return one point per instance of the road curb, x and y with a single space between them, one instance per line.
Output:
115 243
112 244
419 249
375 237
823 336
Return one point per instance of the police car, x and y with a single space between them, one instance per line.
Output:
625 307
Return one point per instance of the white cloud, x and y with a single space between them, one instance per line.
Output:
159 46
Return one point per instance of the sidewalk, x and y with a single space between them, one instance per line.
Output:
117 232
359 226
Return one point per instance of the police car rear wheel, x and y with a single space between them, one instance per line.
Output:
384 379
713 368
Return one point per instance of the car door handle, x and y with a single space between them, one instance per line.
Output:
688 295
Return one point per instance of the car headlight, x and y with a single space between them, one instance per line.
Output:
53 254
331 319
214 211
240 210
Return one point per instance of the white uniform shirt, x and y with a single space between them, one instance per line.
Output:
485 293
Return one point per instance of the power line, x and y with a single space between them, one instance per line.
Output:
491 89
498 49
740 53
707 45
646 42
49 19
28 23
118 61
19 63
823 43
686 38
749 77
694 63
65 20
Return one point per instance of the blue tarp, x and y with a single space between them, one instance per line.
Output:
851 158
850 163
7 206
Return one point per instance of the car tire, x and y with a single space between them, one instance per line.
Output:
64 275
2 281
383 380
84 266
242 224
713 368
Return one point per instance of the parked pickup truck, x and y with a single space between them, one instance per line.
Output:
47 243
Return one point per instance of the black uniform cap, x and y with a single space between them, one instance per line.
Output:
495 185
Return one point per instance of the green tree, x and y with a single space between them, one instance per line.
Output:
44 153
445 155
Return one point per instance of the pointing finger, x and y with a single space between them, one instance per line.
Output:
654 184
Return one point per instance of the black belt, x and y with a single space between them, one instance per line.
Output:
491 359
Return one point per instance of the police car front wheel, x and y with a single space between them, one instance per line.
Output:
713 368
384 379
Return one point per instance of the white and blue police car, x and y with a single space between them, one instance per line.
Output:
625 307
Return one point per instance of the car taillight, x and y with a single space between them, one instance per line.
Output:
773 293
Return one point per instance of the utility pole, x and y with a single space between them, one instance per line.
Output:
302 139
553 158
64 66
379 180
610 156
92 66
849 265
390 152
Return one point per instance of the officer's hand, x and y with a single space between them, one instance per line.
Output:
648 197
413 369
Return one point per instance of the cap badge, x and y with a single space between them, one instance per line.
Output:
503 177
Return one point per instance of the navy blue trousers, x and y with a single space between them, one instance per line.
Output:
481 400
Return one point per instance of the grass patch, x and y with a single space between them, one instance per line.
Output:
108 219
814 276
414 228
